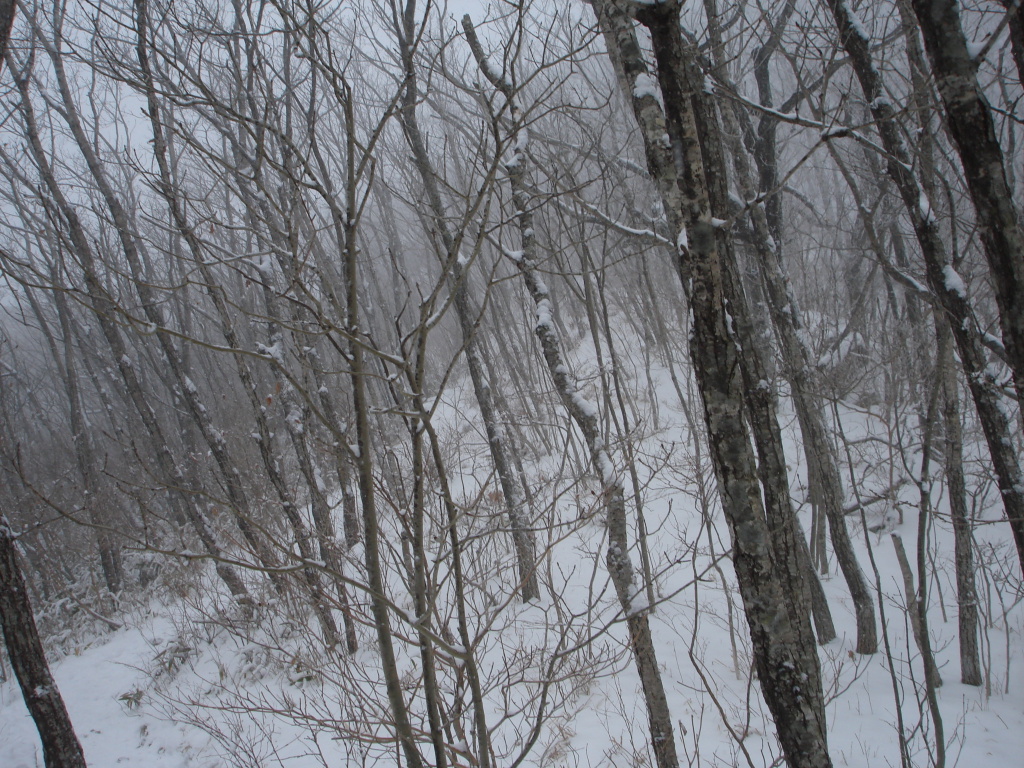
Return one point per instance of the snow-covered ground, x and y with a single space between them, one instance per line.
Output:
97 681
174 689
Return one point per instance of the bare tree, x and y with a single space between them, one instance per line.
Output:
454 262
633 598
943 279
969 117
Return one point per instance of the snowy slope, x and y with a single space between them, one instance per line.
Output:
207 696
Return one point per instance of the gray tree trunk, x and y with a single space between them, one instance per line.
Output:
151 307
61 748
969 118
942 278
775 604
963 540
633 597
109 550
515 504
822 463
107 312
824 479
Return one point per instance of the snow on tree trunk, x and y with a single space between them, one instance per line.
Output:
774 599
61 748
942 278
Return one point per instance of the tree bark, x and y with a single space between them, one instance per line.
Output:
676 150
632 597
515 504
61 748
963 541
969 118
943 280
822 463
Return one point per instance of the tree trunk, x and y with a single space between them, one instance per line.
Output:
515 504
110 552
775 605
963 541
107 312
943 280
633 598
969 118
1015 21
61 748
151 306
824 478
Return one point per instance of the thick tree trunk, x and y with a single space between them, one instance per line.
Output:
969 118
61 748
943 280
775 605
822 464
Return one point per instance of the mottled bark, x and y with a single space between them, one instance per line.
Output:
678 144
822 463
61 748
943 280
963 540
970 122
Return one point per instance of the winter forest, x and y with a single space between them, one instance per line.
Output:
629 383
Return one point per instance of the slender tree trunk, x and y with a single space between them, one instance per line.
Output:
61 748
110 552
107 312
515 505
151 307
1015 21
943 280
633 597
963 540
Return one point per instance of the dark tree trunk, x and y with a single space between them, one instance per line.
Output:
963 542
942 278
61 748
822 463
969 118
1015 21
764 551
